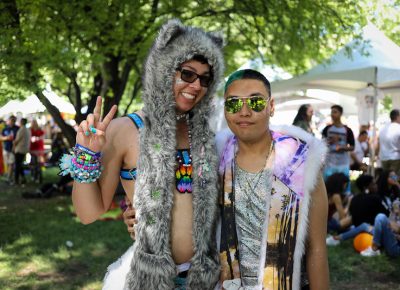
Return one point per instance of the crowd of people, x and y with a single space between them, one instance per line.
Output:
373 205
23 153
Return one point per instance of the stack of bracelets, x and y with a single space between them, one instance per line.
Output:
83 164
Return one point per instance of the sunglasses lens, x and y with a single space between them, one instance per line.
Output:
188 76
233 105
205 81
257 104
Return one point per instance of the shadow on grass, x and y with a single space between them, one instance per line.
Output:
34 250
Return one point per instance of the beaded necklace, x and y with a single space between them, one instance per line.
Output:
183 173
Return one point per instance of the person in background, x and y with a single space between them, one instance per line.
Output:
361 149
366 100
365 206
351 233
20 148
389 143
8 136
58 148
62 186
48 130
2 165
386 234
37 151
304 117
388 187
338 204
340 139
364 209
385 231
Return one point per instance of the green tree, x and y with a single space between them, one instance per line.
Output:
386 16
85 48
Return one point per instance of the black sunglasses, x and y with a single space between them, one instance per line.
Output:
190 77
234 104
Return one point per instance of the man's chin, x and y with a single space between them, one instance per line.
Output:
242 136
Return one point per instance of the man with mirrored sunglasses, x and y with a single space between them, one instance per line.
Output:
273 198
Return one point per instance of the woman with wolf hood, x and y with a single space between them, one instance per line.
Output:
175 160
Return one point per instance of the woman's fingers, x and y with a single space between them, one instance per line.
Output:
130 220
131 224
128 214
80 130
107 119
97 109
91 122
85 128
131 228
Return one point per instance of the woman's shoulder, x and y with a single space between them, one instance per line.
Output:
123 127
126 122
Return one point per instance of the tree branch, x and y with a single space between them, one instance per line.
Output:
136 87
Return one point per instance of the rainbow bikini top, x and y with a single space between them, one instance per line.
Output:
183 173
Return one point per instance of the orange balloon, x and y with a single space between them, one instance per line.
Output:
362 242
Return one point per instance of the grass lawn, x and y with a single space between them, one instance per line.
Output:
34 253
33 243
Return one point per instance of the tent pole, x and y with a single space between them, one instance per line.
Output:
373 151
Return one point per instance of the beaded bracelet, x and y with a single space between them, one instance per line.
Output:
82 164
87 150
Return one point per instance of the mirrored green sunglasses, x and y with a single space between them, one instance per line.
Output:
235 104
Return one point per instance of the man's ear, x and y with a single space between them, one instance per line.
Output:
272 104
168 32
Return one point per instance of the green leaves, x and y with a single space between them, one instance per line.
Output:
85 48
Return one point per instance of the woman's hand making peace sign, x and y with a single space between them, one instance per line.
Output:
92 131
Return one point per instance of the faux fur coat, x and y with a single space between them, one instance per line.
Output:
152 266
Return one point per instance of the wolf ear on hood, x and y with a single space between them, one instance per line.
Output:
218 38
168 32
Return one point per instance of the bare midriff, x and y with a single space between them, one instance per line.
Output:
182 228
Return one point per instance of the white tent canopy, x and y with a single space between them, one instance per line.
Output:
377 61
32 105
58 102
11 107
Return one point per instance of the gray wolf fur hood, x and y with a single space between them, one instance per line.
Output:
152 266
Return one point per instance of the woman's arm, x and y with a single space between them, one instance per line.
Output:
99 135
93 199
317 260
337 200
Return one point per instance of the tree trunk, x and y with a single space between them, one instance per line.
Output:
66 129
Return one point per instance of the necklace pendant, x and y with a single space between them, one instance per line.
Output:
186 158
181 116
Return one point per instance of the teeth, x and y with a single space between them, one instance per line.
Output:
188 96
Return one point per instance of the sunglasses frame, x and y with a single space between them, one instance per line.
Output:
202 78
249 104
